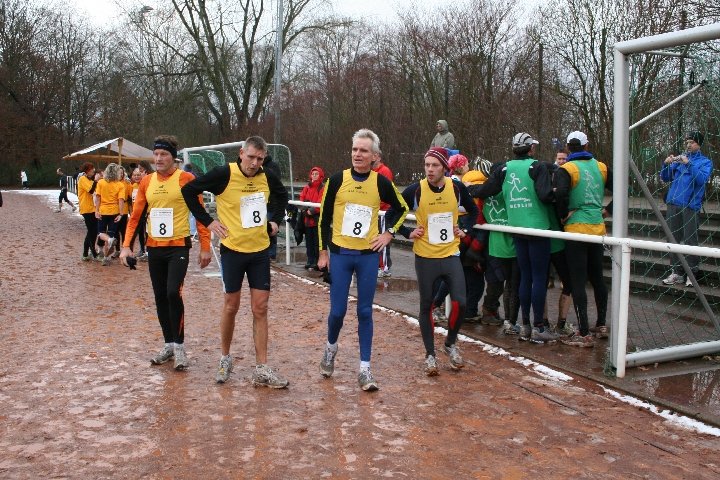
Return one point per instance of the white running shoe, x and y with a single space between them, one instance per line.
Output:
431 366
224 369
264 376
181 361
163 356
673 278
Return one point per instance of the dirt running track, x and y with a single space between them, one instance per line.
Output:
78 398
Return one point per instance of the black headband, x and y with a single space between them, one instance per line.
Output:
165 146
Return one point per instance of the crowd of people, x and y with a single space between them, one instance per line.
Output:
348 237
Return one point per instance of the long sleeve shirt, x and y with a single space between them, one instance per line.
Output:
386 190
688 180
538 173
215 182
411 194
141 207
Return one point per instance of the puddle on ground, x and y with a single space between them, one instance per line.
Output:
694 382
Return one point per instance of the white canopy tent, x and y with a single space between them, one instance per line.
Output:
115 150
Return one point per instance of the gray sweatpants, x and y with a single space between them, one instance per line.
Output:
684 224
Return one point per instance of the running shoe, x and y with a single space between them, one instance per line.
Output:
490 318
600 331
165 354
85 258
578 340
367 381
385 273
673 278
106 261
688 282
510 329
264 376
566 331
224 370
327 364
544 336
438 314
431 366
525 333
181 361
142 257
456 360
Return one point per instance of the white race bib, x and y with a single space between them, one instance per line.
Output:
161 222
356 220
440 228
253 210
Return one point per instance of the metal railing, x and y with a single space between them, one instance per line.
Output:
619 323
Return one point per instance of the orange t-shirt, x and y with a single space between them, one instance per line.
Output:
109 194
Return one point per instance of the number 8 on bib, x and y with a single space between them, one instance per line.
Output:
253 210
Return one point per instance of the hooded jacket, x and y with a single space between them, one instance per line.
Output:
443 138
688 181
312 192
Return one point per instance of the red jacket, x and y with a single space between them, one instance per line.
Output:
385 171
312 192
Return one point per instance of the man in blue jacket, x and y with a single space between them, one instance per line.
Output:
688 173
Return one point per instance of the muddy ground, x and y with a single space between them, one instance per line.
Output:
79 399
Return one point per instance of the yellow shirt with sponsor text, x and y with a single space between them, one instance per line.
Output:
242 208
355 213
162 196
438 214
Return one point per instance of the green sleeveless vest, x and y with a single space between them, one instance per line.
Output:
523 205
500 245
586 198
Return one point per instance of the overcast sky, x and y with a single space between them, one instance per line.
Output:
100 10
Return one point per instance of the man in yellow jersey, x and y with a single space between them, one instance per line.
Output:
349 230
436 201
168 245
250 205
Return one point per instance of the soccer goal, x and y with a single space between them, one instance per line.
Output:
656 103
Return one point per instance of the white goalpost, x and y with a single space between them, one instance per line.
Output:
621 251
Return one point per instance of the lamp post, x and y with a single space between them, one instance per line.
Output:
141 13
278 68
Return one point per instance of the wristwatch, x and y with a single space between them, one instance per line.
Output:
391 231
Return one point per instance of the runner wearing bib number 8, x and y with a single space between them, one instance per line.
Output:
250 205
349 229
168 245
435 200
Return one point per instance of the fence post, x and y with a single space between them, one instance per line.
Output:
287 240
619 331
